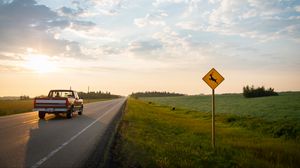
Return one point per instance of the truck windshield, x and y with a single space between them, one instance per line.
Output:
64 94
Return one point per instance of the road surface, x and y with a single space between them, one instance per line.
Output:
27 141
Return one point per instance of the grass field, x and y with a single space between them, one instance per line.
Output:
8 107
154 135
284 106
278 116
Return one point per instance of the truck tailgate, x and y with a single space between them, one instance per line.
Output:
50 105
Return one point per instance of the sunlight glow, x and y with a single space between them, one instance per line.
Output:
40 64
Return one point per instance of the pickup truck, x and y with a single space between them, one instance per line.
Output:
59 101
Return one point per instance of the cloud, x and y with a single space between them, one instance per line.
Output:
261 20
297 8
180 50
189 25
10 56
151 19
111 3
187 51
225 13
160 2
31 25
292 31
11 68
70 12
82 25
145 46
108 7
104 51
172 31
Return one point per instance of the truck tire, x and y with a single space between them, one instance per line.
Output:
80 110
70 113
42 115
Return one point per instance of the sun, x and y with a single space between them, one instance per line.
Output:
40 64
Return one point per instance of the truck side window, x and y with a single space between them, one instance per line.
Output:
50 94
70 94
76 95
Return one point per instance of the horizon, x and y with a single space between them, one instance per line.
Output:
199 94
125 46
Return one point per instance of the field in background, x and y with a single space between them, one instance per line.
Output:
151 135
285 106
8 107
277 116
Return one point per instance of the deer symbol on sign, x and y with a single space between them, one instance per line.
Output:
212 78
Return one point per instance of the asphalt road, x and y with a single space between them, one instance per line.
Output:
27 141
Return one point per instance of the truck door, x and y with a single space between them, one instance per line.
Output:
77 102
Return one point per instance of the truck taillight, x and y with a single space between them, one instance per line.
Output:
67 102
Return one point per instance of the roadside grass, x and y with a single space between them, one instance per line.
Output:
151 135
86 101
8 107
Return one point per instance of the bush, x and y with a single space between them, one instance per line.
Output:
249 92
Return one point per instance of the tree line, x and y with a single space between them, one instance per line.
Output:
97 95
24 97
155 94
249 92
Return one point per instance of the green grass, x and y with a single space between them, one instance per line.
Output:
86 101
151 135
8 107
277 116
284 106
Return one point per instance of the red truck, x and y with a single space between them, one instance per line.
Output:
59 101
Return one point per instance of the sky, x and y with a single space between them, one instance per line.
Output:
125 46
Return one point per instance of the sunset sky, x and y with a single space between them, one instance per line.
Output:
124 46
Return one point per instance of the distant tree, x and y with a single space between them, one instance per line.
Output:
97 95
249 92
154 94
24 97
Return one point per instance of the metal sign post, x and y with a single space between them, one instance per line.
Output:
213 79
213 140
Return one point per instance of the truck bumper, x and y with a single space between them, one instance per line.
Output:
51 110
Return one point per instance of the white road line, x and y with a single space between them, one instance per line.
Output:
40 162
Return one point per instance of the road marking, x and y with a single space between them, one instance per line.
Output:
40 162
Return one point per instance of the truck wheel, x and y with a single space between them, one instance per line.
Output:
42 115
70 113
80 110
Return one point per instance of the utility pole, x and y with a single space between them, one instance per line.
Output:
88 89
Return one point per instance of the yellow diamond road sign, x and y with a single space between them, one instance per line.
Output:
213 78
